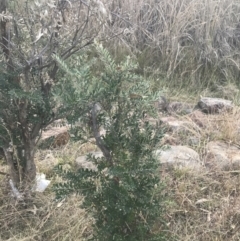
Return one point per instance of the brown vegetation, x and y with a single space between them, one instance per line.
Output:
61 140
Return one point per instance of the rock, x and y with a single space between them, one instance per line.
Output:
214 105
41 183
58 123
175 124
171 121
83 163
222 156
199 118
180 156
3 169
55 137
162 104
179 108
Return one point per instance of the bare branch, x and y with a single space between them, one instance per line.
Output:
100 143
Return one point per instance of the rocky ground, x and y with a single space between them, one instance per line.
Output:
205 135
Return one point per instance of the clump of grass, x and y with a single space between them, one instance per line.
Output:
204 206
41 218
229 125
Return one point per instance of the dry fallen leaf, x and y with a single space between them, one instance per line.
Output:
203 200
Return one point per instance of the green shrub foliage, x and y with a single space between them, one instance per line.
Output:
31 84
122 192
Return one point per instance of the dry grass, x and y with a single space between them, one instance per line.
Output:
229 125
185 41
41 218
203 206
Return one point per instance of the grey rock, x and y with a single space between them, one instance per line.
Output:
179 156
162 104
222 156
176 107
176 125
214 105
179 108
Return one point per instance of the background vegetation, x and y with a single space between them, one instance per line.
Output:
184 41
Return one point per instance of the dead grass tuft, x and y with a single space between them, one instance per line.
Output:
42 218
203 206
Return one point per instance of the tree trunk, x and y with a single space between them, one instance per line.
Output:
21 163
14 174
30 167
